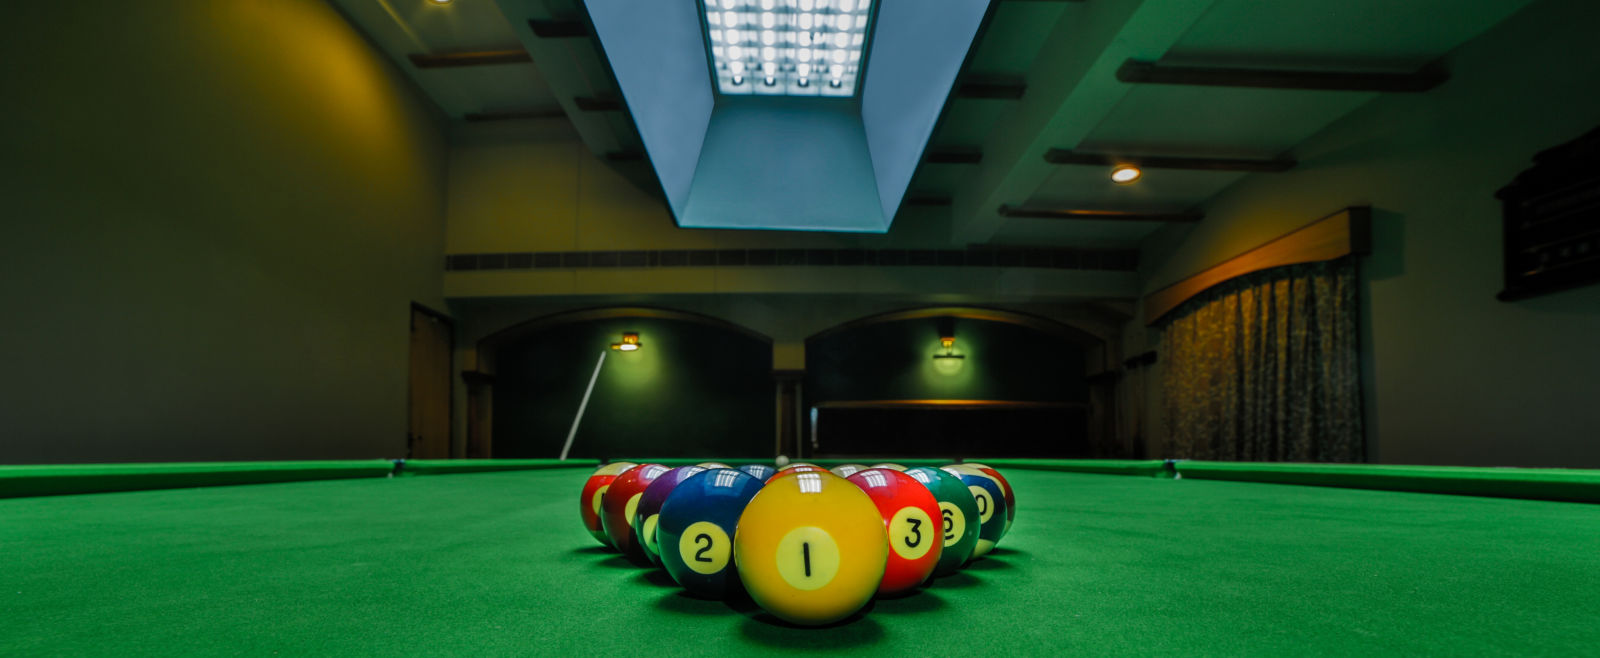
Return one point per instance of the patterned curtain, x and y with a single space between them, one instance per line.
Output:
1264 367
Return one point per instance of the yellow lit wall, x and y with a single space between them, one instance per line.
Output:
216 215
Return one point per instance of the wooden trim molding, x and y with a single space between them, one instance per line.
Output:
611 313
1344 233
1071 157
1034 322
1137 72
1021 212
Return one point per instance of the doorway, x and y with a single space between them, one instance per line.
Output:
432 338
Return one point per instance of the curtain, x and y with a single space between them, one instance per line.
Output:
1265 367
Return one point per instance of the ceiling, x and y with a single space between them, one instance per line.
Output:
1043 75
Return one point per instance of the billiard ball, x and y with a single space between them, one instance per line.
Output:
1005 488
811 548
619 504
909 511
694 535
795 469
713 465
847 470
758 471
1011 497
890 465
645 517
593 491
991 507
959 511
781 461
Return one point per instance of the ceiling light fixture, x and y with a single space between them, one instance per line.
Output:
1125 174
787 47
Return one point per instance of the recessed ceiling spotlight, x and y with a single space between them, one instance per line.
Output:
1125 174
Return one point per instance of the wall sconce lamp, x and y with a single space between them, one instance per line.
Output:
630 343
949 361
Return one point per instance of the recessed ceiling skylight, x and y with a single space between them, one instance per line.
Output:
787 47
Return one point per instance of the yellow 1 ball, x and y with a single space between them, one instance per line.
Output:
811 548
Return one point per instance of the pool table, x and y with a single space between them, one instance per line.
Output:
467 558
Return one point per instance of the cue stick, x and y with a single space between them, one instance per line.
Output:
583 405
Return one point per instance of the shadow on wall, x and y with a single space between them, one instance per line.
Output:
696 387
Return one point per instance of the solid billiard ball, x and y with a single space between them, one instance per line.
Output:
811 548
847 470
694 535
910 514
646 517
890 465
713 465
593 491
959 517
618 505
1005 488
794 469
991 507
758 471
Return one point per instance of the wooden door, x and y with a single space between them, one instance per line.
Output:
431 339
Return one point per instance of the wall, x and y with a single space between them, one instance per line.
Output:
787 319
894 361
217 215
1452 375
692 390
532 186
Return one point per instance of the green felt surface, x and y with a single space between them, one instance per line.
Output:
1138 467
54 479
498 564
1534 483
456 466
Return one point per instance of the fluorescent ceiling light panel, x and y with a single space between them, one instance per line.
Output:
787 47
785 156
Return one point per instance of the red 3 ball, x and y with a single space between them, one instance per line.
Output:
909 511
621 500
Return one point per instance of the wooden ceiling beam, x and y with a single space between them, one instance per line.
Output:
471 58
1185 216
1071 157
1137 72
